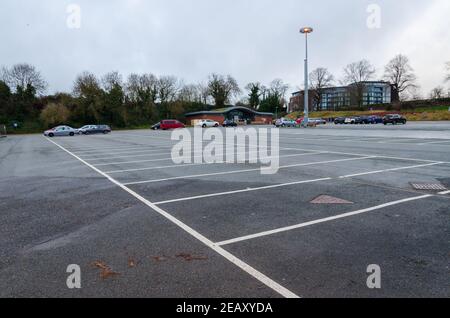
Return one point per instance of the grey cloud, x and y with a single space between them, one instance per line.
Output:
254 40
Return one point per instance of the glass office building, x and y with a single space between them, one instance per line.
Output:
334 98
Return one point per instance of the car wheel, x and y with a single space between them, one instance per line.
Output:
105 132
72 134
216 125
51 135
204 126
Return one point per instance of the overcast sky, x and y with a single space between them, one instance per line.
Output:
253 40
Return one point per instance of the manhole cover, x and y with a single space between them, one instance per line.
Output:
326 199
428 186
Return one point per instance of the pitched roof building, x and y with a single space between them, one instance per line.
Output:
238 114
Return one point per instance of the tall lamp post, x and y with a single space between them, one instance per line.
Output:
306 31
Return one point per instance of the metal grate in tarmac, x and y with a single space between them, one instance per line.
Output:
429 186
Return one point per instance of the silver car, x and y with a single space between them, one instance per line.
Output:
61 131
318 121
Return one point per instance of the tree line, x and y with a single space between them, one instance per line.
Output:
139 100
142 99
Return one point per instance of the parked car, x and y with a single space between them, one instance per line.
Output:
353 120
61 131
283 122
229 123
318 121
339 121
94 129
299 121
171 124
311 123
394 119
371 119
207 123
156 126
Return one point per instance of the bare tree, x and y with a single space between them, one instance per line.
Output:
355 74
189 93
279 89
203 90
142 88
222 88
111 80
320 78
358 72
401 75
168 87
22 76
437 93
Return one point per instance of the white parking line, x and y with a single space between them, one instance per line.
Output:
132 154
245 171
146 154
227 255
144 136
121 150
170 159
283 185
400 141
333 218
201 164
144 148
241 191
130 162
97 145
378 156
444 192
390 170
385 140
434 142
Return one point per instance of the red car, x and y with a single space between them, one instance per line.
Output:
170 124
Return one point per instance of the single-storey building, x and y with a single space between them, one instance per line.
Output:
238 114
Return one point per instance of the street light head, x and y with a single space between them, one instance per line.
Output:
306 30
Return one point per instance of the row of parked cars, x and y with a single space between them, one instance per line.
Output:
284 122
85 130
207 123
394 119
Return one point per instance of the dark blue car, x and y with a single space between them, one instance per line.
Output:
371 120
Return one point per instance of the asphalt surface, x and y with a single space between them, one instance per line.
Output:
225 230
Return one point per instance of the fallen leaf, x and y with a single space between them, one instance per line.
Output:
160 258
106 271
189 257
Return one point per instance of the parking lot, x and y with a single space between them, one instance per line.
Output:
117 202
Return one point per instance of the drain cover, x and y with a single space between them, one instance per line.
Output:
428 186
326 199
